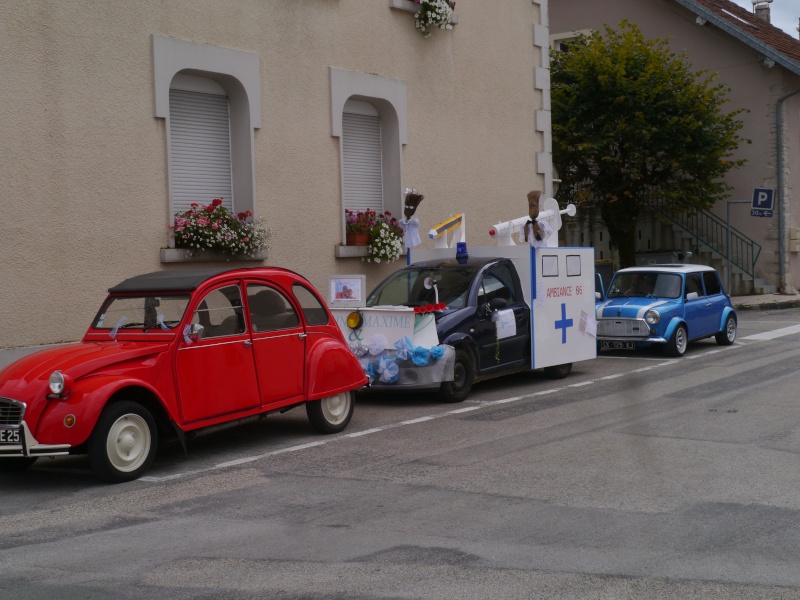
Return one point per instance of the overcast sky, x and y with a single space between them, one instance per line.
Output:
784 14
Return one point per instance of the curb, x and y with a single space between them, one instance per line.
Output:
768 305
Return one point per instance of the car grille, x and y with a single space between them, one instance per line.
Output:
11 412
623 328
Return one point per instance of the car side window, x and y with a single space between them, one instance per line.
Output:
712 283
493 287
270 310
220 313
694 283
313 310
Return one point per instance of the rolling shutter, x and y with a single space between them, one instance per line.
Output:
361 155
200 149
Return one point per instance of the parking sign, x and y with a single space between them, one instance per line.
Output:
763 199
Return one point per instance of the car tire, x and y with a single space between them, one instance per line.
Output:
727 336
331 414
463 377
123 443
558 371
676 346
15 464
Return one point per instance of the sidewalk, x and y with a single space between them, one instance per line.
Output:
766 301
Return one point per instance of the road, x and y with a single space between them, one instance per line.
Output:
635 477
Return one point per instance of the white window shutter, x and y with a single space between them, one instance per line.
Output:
200 149
361 155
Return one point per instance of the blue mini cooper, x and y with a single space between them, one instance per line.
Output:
665 304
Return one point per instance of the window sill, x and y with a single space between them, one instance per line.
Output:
409 6
178 255
351 251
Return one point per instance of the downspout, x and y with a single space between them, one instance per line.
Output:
781 217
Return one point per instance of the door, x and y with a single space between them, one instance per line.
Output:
698 311
216 374
503 336
278 342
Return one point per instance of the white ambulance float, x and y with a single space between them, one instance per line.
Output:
459 314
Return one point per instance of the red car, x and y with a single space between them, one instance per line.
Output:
174 352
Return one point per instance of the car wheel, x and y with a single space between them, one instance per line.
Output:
558 371
676 346
16 464
123 443
331 414
463 377
727 336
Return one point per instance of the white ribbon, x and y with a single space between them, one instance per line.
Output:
161 322
113 333
377 344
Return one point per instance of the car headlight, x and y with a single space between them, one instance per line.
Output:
652 317
354 320
57 382
60 384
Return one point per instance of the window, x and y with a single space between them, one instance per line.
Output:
210 98
270 310
220 313
694 283
561 41
369 117
313 310
712 283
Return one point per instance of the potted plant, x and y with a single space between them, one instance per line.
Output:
433 13
213 228
385 239
358 225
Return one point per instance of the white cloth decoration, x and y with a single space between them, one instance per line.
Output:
544 228
377 344
410 229
113 333
163 325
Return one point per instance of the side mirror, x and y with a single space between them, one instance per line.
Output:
196 332
691 296
598 296
497 304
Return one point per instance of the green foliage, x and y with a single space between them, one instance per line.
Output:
632 123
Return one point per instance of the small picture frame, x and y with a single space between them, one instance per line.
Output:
347 290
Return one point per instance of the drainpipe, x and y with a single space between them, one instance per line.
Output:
781 217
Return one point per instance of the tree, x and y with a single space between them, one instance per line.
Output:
633 124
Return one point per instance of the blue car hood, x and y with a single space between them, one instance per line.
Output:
634 308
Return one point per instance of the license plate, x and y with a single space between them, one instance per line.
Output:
9 436
618 345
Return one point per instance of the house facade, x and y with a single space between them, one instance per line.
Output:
115 116
761 65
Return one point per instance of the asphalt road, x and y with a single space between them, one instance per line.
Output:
635 477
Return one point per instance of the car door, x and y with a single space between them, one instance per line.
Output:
716 299
502 337
697 310
279 343
215 372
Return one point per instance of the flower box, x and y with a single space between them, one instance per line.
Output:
409 6
357 238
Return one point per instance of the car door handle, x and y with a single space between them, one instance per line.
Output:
302 336
247 343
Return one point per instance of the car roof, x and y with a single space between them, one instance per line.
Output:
186 280
668 268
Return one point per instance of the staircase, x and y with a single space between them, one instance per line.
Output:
713 243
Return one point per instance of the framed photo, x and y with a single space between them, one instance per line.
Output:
347 290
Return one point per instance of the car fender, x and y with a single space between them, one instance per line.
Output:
727 312
673 325
331 368
85 402
462 339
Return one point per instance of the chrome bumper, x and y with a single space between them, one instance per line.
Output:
611 338
31 447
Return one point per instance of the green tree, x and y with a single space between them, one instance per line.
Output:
633 124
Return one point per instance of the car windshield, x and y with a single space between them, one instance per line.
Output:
151 311
407 287
645 284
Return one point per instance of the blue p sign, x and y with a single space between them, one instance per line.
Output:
763 199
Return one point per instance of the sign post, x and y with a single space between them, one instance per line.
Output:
763 200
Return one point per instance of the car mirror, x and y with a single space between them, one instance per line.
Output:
497 304
691 296
598 296
196 332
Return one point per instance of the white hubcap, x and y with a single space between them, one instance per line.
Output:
335 408
128 443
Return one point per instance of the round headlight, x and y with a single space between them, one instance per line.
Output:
354 320
57 382
652 317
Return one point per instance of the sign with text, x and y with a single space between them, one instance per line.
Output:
763 200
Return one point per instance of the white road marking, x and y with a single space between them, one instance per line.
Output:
771 335
478 406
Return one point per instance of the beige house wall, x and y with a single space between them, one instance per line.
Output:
83 175
753 87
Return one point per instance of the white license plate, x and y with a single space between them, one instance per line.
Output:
618 345
9 436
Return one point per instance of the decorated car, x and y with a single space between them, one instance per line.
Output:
178 353
666 305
